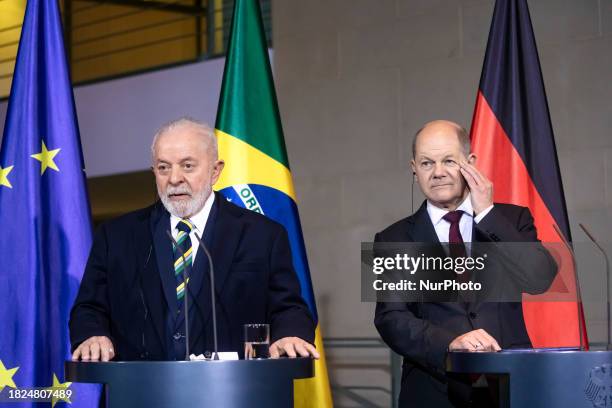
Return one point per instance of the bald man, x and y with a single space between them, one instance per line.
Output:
457 193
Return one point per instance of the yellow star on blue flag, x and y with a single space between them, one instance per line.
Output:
4 172
57 387
6 376
45 157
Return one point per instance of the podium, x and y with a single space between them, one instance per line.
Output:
153 384
544 378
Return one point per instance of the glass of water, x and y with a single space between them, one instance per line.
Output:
256 341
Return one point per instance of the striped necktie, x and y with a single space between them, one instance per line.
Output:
184 227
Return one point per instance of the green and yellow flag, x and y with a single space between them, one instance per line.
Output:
256 173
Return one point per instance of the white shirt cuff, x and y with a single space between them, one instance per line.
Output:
483 214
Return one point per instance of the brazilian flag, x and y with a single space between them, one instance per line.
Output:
256 173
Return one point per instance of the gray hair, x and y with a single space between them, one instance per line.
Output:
462 134
200 128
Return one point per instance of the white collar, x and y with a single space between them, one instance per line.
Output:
199 219
436 213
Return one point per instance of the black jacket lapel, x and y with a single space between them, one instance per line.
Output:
160 223
149 282
422 228
227 232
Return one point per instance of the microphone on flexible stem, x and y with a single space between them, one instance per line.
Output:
578 295
592 238
145 353
185 303
213 298
412 193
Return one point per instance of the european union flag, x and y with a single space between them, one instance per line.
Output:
45 224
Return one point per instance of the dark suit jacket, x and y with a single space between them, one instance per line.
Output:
422 332
128 291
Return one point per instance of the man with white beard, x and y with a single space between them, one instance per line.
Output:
129 305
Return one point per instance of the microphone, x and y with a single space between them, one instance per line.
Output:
412 193
592 238
213 299
185 303
145 353
578 295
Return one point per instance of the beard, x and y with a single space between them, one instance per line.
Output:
184 208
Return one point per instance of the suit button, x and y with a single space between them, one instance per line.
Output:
473 315
177 336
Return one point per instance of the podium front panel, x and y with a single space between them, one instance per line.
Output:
253 383
538 379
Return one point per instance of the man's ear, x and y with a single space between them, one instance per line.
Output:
217 169
472 158
413 168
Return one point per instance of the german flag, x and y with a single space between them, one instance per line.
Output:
513 138
257 174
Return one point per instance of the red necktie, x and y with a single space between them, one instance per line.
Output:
457 249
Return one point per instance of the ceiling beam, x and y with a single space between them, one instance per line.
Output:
157 5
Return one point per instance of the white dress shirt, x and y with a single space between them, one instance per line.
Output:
466 222
198 221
